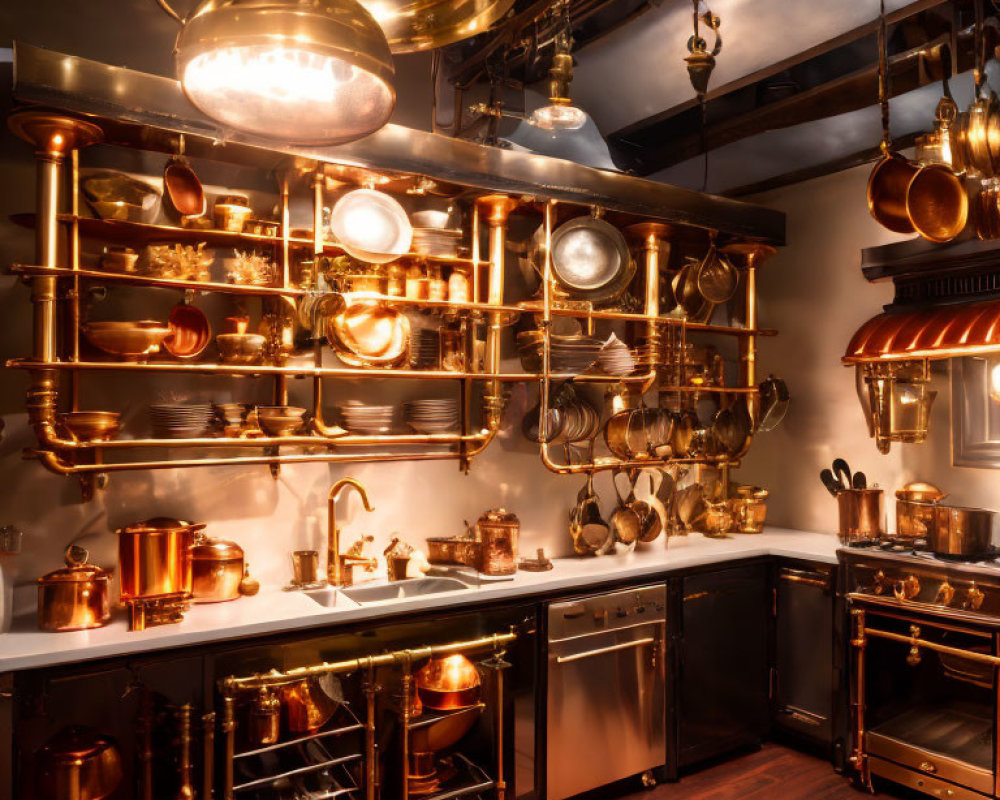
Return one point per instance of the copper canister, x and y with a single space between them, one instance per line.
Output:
216 570
498 531
155 558
74 597
862 516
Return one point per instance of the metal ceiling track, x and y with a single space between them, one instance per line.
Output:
150 112
832 78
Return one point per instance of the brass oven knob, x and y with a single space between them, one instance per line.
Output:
928 766
945 594
878 582
974 597
907 589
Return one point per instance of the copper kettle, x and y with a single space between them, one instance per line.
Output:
74 597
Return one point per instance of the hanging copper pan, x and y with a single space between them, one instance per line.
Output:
937 205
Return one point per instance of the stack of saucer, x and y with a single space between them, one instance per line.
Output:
181 420
574 354
616 358
425 349
432 416
365 419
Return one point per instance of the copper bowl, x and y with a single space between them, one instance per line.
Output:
78 764
280 420
127 340
443 732
305 706
190 332
90 426
936 203
240 348
887 188
448 683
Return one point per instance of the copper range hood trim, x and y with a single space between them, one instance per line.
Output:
944 332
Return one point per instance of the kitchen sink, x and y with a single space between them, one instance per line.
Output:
328 597
400 590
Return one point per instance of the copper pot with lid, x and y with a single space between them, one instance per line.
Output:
155 558
78 764
498 531
216 569
74 597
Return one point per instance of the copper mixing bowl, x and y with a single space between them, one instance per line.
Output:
448 683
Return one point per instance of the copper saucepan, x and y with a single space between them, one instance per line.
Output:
78 764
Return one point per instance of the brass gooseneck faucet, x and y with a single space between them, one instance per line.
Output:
334 560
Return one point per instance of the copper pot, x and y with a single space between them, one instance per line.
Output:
155 558
960 532
216 570
454 550
862 516
915 509
306 706
937 204
498 531
74 597
448 683
78 764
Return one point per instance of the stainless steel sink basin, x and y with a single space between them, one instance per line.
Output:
415 587
328 597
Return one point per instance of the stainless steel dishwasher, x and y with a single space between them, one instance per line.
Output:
606 689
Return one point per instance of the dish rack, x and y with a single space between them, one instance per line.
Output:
57 366
351 740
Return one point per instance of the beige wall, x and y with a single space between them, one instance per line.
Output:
814 294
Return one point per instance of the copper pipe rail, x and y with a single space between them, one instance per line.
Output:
917 641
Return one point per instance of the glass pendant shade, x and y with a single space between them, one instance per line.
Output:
558 117
303 71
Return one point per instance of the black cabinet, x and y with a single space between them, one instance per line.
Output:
721 661
805 675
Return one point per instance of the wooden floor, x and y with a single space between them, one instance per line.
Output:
771 773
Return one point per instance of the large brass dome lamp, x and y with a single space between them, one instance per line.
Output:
303 71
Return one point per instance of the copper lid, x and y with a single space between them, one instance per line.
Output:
77 570
207 549
161 524
500 516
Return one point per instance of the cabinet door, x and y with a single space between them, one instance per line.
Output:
804 650
722 701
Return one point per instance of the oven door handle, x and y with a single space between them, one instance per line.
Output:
613 648
915 641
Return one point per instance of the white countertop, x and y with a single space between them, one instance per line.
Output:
275 611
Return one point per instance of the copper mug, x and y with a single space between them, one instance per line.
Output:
862 516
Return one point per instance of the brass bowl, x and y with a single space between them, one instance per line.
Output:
128 340
280 420
368 332
240 348
91 426
444 732
448 683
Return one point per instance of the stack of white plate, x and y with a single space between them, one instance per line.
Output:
432 416
437 241
616 358
365 419
181 420
574 354
425 349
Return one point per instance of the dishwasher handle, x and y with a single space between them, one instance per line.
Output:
613 648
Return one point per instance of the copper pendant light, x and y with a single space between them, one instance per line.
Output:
304 71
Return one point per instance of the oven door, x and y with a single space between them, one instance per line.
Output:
929 691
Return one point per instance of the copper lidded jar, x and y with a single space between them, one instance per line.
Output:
154 557
498 531
216 570
74 597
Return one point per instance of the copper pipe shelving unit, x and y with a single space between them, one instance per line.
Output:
232 687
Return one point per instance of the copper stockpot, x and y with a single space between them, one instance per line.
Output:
448 683
74 597
78 764
306 706
155 558
915 509
216 570
960 532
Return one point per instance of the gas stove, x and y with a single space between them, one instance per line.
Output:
900 573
